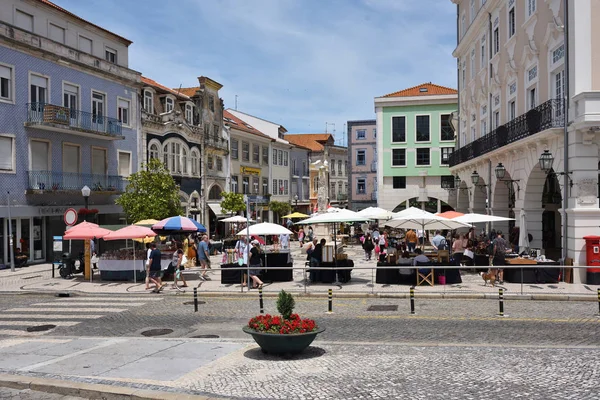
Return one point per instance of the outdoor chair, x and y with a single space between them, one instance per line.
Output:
443 256
425 275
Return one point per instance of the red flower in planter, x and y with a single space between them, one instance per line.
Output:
277 324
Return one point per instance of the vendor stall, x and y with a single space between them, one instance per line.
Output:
533 271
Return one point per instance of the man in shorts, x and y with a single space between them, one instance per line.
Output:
204 257
155 268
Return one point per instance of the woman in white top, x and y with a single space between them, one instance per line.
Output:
148 262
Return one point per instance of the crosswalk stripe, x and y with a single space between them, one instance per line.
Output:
50 316
15 332
65 309
86 303
36 323
112 299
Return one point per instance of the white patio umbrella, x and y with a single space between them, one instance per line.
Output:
237 219
421 219
376 213
408 211
474 218
341 215
523 235
265 229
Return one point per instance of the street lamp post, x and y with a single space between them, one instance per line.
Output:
296 201
85 192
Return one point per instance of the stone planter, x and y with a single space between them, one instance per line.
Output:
273 343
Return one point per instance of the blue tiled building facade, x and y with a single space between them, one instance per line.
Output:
68 119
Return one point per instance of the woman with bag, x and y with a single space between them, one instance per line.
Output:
255 264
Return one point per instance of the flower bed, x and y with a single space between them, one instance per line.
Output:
276 324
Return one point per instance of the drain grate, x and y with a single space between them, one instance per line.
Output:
157 332
40 328
63 294
386 307
205 337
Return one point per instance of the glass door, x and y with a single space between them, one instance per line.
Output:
71 101
98 111
37 239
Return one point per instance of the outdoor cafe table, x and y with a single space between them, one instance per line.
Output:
532 272
394 277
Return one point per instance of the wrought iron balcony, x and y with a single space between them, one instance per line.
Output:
217 143
58 180
547 115
64 119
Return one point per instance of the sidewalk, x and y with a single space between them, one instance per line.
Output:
38 278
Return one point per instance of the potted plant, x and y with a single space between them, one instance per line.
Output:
283 334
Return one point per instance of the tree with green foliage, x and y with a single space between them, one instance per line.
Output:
232 202
285 304
151 194
280 207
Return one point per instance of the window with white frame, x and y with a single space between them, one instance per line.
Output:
169 104
275 185
423 128
245 151
194 161
484 130
361 134
472 67
184 161
531 6
38 89
472 11
511 19
56 33
24 20
286 187
274 157
280 157
219 163
85 44
281 186
234 184
512 110
496 111
558 54
149 101
332 194
71 98
255 184
172 156
153 151
532 78
124 163
398 157
446 131
256 154
423 157
234 149
189 113
123 111
246 184
110 55
399 129
482 49
496 41
285 158
7 153
532 97
445 154
6 82
265 155
332 163
340 167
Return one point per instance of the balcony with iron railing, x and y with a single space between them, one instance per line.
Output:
77 122
73 181
550 114
217 143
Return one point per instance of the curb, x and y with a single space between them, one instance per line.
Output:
91 390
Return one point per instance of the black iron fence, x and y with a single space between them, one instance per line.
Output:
52 180
547 115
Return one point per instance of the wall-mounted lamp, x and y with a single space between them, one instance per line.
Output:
475 181
546 161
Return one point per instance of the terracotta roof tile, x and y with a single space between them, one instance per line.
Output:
188 91
425 89
59 8
311 141
240 125
152 82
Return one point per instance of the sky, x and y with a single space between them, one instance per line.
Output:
305 64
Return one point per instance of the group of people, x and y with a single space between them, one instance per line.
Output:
250 255
155 272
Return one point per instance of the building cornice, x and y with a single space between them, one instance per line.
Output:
416 100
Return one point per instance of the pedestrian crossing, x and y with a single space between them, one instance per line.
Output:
64 312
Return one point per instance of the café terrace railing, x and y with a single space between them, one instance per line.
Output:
58 180
550 114
76 120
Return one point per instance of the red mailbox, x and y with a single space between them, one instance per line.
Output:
592 251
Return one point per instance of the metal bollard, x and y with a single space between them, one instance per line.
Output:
330 306
260 300
501 302
195 299
412 300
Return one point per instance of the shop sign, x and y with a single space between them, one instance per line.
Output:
57 244
249 171
52 210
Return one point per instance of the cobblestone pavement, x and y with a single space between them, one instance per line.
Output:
15 394
450 349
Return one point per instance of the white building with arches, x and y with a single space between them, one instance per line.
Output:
526 69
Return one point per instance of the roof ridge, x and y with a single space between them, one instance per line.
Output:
405 92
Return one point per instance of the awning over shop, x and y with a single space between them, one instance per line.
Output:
216 208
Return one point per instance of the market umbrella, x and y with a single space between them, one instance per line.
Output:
178 224
376 213
523 235
421 219
85 230
295 215
131 232
450 214
407 211
147 222
339 215
237 218
474 218
264 229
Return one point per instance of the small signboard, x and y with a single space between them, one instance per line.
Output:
70 217
57 244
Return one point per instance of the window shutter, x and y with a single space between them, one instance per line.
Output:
39 81
4 72
6 156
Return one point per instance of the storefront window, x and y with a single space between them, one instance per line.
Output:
38 238
25 237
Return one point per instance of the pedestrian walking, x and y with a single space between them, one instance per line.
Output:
155 268
411 241
368 247
499 254
255 264
301 236
284 241
204 257
148 262
178 267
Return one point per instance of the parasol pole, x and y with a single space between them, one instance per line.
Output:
247 198
134 264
